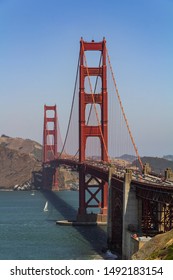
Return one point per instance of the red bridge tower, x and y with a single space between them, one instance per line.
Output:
88 193
50 180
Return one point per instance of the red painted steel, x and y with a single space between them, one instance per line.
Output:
50 149
85 131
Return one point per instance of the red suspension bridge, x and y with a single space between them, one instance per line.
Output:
98 133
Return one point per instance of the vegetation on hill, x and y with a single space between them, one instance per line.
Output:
159 247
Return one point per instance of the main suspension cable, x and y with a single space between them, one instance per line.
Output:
122 109
71 111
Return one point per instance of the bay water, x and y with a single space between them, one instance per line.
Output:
29 233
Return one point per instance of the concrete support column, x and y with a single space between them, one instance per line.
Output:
130 213
109 215
169 174
160 217
140 214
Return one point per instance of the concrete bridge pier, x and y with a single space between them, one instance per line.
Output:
50 178
130 214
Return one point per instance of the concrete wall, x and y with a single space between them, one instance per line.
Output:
130 215
133 245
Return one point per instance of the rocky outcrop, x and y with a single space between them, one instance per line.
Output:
23 146
16 168
18 159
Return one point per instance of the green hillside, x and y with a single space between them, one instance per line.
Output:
159 247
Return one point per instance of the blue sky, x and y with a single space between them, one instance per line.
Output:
39 47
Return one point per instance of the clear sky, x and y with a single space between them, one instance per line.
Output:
39 47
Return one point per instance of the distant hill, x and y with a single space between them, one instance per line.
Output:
158 165
127 157
168 157
18 158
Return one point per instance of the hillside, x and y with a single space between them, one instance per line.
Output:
158 165
18 158
25 146
159 247
127 157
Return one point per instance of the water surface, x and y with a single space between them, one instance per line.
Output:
27 232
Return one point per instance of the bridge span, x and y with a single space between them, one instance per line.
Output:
137 204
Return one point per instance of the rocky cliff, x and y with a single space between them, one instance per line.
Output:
18 159
23 146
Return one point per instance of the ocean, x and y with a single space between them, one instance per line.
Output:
29 233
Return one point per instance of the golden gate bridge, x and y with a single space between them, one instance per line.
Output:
98 133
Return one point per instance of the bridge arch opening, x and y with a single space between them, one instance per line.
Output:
92 114
93 58
93 148
50 113
50 126
94 83
50 139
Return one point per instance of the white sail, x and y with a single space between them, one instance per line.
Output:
46 206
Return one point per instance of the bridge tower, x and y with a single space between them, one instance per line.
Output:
86 194
50 180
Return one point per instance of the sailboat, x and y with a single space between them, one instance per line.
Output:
46 207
